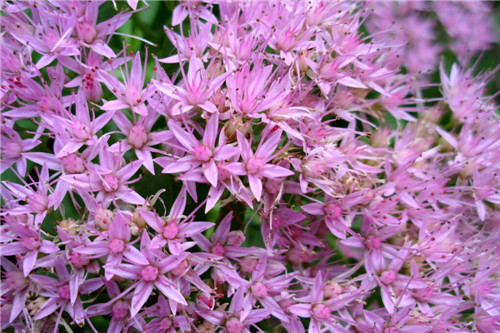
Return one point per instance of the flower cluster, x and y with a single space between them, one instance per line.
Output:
306 181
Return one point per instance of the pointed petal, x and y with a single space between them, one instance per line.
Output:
275 171
169 290
210 172
141 295
255 186
29 261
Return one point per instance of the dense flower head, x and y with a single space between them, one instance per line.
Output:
277 165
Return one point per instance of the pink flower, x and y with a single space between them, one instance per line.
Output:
255 165
148 270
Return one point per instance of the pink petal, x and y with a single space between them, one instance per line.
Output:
141 295
169 290
210 172
18 304
103 49
114 105
275 171
246 150
301 310
268 146
222 231
135 256
186 139
255 186
48 308
211 132
29 261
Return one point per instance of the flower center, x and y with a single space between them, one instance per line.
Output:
321 311
259 290
150 273
170 231
110 183
165 323
12 150
137 136
16 281
254 165
332 289
133 95
117 246
38 203
85 31
373 243
31 243
202 153
64 292
218 249
391 330
333 211
80 130
234 325
120 310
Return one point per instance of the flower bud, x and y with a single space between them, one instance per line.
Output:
103 218
235 238
332 289
138 220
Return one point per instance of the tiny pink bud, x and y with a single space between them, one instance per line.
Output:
387 277
103 218
332 289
